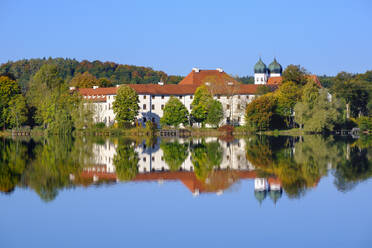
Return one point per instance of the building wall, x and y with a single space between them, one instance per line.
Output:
233 107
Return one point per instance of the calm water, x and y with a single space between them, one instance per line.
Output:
308 191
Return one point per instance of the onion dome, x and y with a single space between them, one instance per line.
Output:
260 67
275 67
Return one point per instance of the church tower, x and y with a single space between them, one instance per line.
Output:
260 73
275 69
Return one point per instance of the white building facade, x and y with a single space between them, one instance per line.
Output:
233 95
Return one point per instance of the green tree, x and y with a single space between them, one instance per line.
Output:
84 80
126 105
262 90
174 154
8 89
288 94
355 92
296 74
17 111
200 104
175 113
259 113
50 96
215 113
317 113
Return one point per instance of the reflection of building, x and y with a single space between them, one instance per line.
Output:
152 165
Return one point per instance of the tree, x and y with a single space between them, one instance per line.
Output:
354 91
260 113
296 74
17 111
262 90
85 80
215 113
8 89
316 113
50 96
202 98
175 113
126 105
288 94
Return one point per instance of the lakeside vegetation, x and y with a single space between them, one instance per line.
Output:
35 95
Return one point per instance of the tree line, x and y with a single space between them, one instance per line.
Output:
108 72
300 102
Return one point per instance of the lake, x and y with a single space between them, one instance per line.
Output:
310 191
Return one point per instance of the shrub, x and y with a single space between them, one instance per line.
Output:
100 125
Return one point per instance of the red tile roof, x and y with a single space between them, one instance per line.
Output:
203 76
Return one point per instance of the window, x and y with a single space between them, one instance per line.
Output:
238 107
162 106
144 159
238 96
162 97
153 97
191 97
144 106
238 119
218 97
180 97
228 106
261 79
153 119
144 119
153 106
153 158
162 158
227 97
144 96
228 120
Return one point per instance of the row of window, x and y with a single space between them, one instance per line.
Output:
144 107
162 97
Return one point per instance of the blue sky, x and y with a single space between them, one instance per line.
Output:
323 36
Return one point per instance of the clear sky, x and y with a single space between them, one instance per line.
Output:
323 36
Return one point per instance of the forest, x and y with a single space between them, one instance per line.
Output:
23 70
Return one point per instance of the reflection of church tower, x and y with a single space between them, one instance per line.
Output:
260 189
275 189
260 195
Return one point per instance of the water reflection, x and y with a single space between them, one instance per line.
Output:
290 165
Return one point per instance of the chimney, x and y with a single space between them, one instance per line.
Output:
219 69
160 83
95 87
195 69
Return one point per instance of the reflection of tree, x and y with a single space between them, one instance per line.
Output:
205 156
13 157
126 160
50 169
52 165
174 154
350 172
298 168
